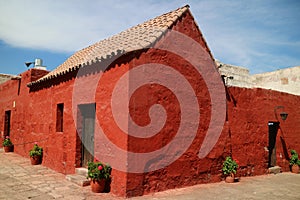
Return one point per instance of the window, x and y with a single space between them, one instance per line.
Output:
59 117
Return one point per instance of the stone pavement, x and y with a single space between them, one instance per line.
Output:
20 180
283 186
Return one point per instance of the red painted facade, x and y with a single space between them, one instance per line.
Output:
244 135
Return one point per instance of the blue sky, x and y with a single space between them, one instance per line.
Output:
260 35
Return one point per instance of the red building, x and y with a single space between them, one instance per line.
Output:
150 102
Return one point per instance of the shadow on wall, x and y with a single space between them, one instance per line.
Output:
284 146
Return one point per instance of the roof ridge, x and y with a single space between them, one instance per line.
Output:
133 27
136 37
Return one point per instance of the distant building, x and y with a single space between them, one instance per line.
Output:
235 75
6 77
283 80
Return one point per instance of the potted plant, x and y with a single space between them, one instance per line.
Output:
229 169
98 173
8 145
294 161
36 154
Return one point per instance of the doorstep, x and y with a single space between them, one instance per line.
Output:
275 170
79 177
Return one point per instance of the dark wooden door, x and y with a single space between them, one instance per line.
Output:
7 123
273 129
88 127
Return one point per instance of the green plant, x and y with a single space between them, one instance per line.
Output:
294 158
7 142
36 151
229 166
98 171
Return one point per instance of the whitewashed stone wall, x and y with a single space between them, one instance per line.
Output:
235 75
283 80
5 77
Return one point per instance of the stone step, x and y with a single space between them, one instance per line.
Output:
78 179
81 171
275 170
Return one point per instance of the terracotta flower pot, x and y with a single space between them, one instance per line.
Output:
295 169
9 148
98 185
36 160
230 178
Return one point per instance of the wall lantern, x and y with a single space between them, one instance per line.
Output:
283 114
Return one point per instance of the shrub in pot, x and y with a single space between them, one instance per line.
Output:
229 169
8 145
294 162
98 173
36 154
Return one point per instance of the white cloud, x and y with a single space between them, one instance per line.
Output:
68 25
249 34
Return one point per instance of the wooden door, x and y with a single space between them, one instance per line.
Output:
88 127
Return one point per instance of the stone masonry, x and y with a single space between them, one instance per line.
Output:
283 80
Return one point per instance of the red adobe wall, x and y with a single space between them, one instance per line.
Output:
33 119
9 90
244 135
250 110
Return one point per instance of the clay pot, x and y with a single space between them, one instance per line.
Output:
36 160
8 149
295 169
98 185
230 178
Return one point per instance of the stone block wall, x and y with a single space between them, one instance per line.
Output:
283 80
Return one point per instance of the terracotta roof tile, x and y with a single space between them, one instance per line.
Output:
135 38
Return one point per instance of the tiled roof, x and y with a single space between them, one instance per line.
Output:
138 37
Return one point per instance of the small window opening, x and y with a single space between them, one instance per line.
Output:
7 123
59 117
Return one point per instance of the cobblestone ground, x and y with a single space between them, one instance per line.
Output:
21 180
